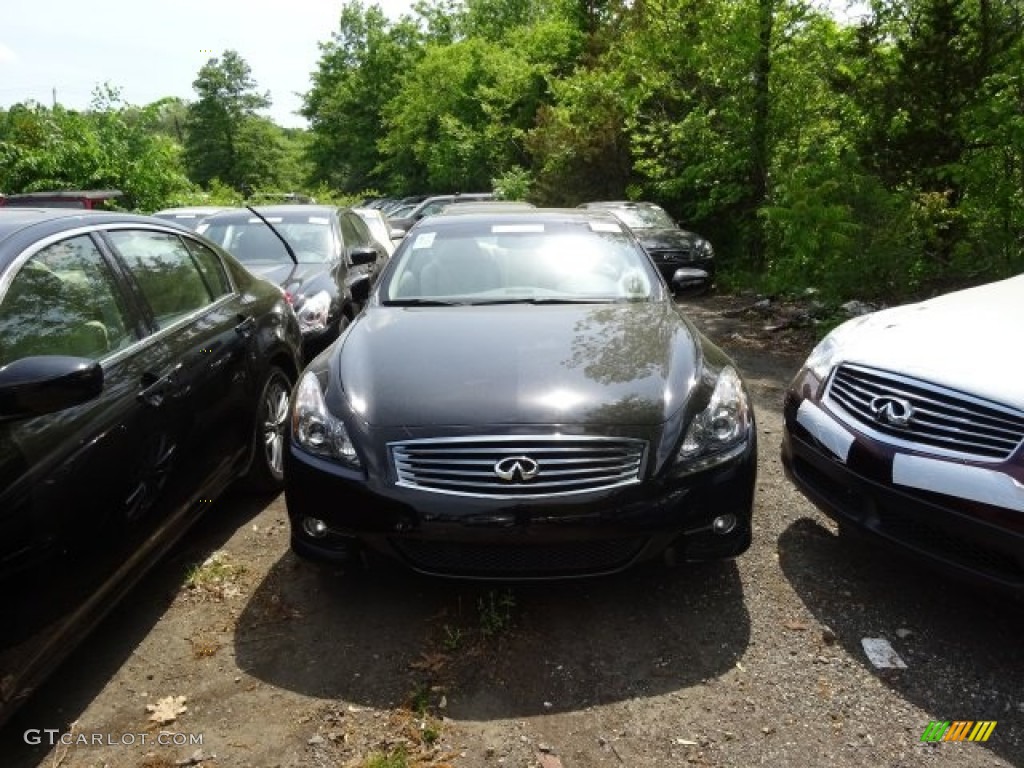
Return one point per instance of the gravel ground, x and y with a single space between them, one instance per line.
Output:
267 662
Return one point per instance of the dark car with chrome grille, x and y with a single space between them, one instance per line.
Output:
521 398
908 425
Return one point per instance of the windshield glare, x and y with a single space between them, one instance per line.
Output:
644 218
252 241
590 261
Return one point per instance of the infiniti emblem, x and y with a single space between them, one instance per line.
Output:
892 410
516 469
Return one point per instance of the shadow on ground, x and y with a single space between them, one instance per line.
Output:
496 651
83 675
964 647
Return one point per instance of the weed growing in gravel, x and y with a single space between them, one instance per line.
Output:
395 758
496 612
452 638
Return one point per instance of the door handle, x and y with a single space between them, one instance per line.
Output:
155 390
245 326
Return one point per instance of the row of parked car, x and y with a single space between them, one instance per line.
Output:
513 394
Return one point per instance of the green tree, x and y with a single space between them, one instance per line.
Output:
112 145
359 71
225 136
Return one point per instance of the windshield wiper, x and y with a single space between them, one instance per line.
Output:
543 300
287 245
422 303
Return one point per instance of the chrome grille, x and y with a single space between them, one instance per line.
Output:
674 254
566 464
945 420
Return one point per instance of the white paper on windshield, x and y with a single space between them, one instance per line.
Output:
424 240
319 220
500 228
274 219
605 226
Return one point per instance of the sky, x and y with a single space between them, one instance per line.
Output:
151 50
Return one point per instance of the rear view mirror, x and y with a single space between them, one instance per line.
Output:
33 386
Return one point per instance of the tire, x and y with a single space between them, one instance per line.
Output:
270 425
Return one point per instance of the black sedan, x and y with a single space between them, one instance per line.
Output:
323 257
142 371
521 398
907 425
669 245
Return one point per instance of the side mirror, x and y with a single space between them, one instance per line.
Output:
33 386
689 282
360 290
362 254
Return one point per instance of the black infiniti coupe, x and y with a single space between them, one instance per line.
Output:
522 398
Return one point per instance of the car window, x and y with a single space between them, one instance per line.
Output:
435 207
531 261
210 267
251 241
63 301
165 271
349 233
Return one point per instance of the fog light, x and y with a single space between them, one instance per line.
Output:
315 527
723 524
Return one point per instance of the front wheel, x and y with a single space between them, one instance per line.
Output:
270 426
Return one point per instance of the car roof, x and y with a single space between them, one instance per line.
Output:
620 204
21 226
523 216
293 211
75 194
191 209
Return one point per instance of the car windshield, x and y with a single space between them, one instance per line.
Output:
251 241
644 218
527 261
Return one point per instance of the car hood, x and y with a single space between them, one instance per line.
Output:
610 364
964 340
294 278
663 239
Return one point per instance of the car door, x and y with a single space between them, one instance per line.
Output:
355 234
200 386
68 508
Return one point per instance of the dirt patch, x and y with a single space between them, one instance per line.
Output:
757 661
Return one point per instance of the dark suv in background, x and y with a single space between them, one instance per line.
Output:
669 245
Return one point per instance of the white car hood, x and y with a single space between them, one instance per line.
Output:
971 340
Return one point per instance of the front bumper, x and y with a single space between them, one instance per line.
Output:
520 538
974 541
668 267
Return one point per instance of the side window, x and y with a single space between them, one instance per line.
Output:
348 231
365 236
166 273
210 267
63 301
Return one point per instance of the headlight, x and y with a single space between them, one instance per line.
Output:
827 353
823 357
313 312
316 429
704 249
720 431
